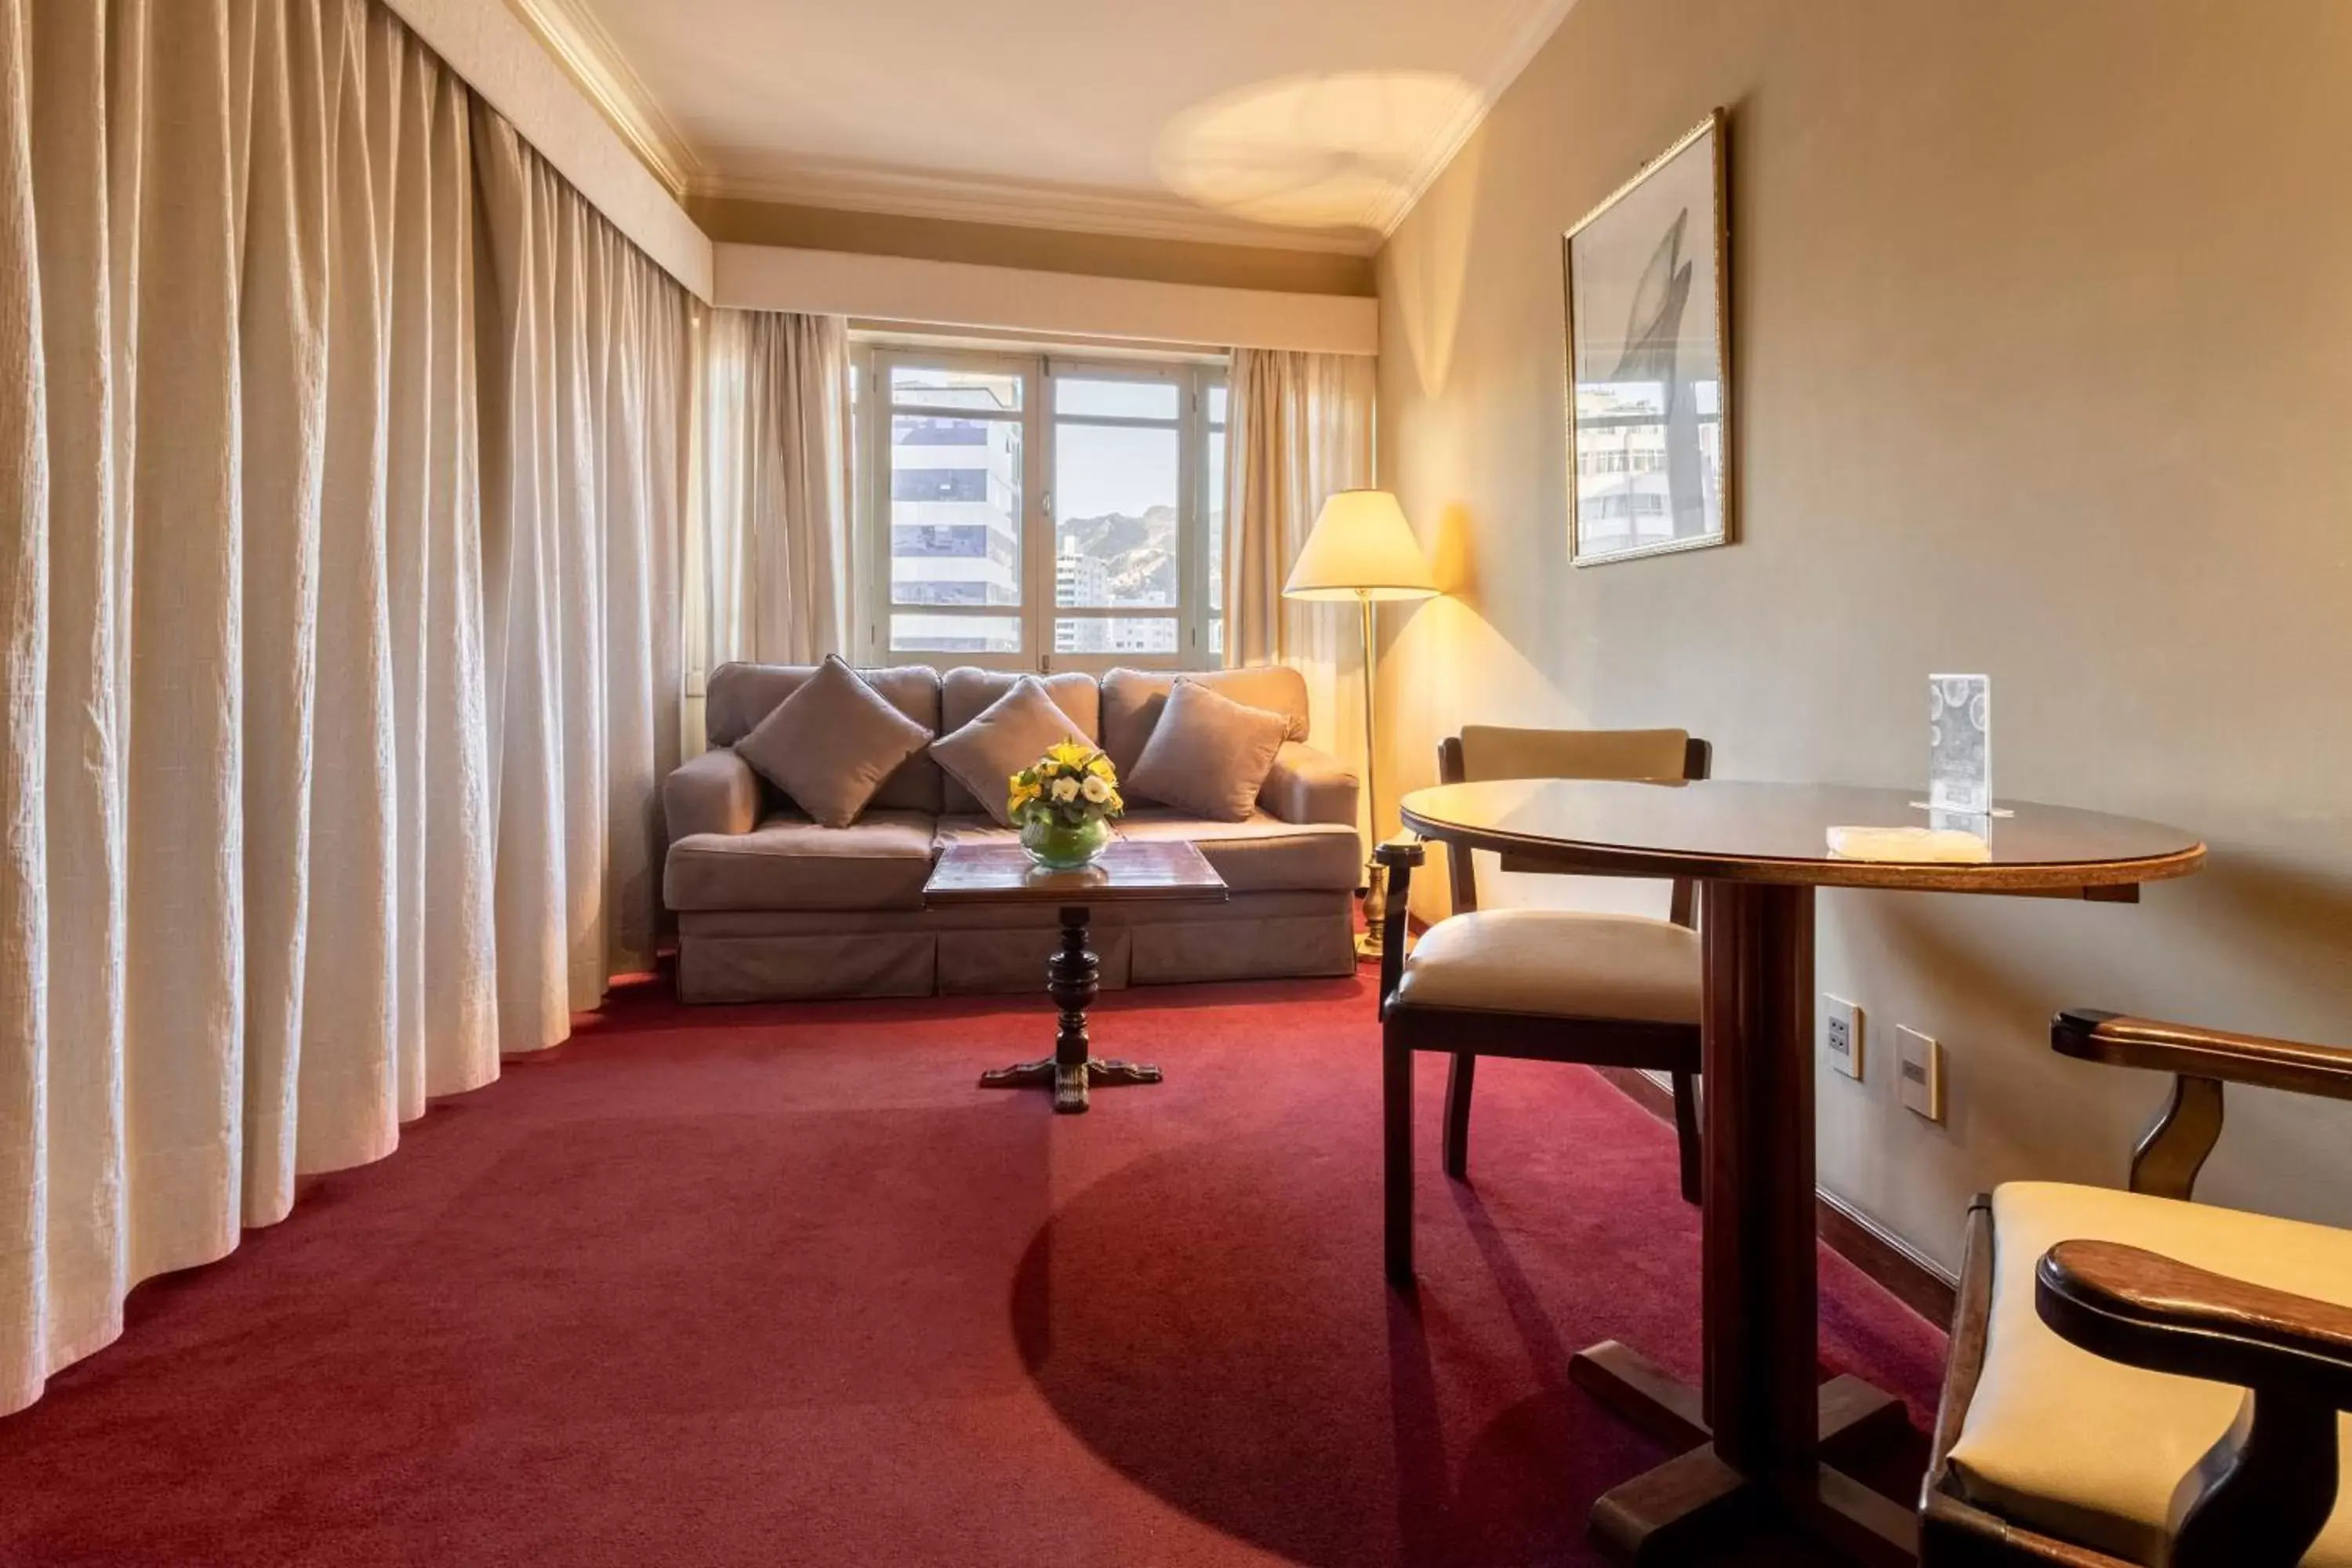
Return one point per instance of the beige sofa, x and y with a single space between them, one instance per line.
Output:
771 906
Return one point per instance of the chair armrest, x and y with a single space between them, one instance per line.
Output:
2144 1309
1397 857
2125 1041
714 793
1309 786
2262 1493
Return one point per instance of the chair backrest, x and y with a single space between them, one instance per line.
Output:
1484 752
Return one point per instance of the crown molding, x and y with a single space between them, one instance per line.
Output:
570 31
748 175
1517 46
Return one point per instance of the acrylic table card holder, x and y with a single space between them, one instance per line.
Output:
1959 753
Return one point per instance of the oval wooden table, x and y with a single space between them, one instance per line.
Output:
1756 1431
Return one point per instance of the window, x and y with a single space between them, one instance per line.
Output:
1033 514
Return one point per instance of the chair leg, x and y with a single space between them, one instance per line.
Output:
1458 1080
1396 1110
1687 1136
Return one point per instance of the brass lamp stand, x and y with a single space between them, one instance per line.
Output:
1362 548
1372 940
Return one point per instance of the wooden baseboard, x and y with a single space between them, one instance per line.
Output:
1898 1268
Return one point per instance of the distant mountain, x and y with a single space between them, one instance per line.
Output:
1138 553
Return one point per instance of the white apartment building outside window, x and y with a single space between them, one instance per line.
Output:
1620 431
1022 512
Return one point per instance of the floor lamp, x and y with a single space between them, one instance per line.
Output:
1362 549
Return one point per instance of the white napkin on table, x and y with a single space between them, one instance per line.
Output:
1909 846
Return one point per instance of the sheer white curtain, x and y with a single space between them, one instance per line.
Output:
774 535
258 851
1301 427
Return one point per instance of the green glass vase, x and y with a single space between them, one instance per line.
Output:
1059 846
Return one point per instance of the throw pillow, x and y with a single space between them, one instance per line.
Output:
1001 738
1208 754
830 744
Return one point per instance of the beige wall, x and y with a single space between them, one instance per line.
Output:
729 221
2042 322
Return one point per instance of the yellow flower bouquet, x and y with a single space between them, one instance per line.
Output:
1064 804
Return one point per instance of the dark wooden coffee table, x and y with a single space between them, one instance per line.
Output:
1128 870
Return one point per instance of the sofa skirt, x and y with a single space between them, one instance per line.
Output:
727 956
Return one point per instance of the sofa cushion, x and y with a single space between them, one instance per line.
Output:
966 692
1132 699
789 862
1260 854
830 744
1208 754
2087 1449
982 756
739 695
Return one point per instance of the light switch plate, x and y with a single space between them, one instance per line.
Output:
1919 1073
1842 1034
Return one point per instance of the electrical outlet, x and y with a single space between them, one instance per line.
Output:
1920 1073
1842 1034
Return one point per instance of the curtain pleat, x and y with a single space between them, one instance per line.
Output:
1301 428
282 351
183 765
24 575
337 642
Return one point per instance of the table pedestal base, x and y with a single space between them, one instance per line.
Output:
1073 979
1677 1511
1070 1080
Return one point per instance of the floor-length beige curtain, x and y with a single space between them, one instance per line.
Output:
1301 427
254 843
774 561
586 350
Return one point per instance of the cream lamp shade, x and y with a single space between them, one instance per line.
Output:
1361 546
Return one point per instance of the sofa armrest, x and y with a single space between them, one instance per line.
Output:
1308 785
714 793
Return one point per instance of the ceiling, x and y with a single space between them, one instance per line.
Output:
1309 123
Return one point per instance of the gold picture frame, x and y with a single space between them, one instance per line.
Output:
1647 407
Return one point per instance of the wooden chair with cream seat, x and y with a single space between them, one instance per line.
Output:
2135 1379
1552 984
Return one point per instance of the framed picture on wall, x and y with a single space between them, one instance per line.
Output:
1649 368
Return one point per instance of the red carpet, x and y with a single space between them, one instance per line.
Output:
780 1285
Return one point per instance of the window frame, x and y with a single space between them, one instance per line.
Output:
1038 614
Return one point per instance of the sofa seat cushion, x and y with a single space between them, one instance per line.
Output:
1561 963
1261 853
879 862
2088 1450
